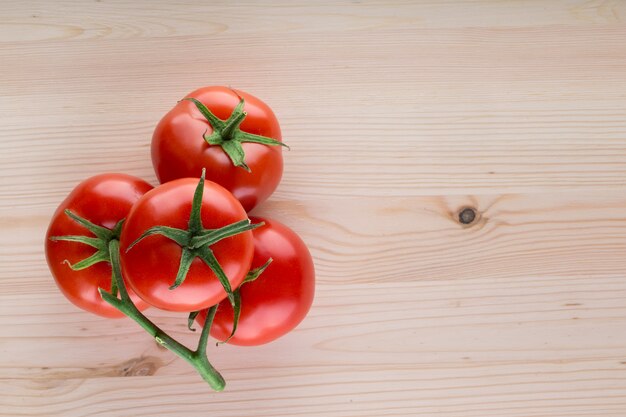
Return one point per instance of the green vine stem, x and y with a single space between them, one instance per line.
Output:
196 358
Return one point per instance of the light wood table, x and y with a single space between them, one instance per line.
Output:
399 115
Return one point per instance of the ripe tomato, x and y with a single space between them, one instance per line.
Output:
179 148
278 300
103 200
151 265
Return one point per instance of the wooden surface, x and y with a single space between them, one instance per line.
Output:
399 114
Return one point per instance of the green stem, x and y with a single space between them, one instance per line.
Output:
204 336
198 358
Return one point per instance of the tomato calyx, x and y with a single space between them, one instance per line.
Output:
196 241
103 236
256 272
228 135
252 275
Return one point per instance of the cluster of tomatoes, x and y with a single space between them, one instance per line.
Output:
116 245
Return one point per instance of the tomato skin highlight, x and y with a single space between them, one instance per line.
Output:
277 301
179 149
104 200
151 265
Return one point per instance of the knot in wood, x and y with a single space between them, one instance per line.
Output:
142 366
467 215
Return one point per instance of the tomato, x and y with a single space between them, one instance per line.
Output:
103 200
151 265
179 148
279 299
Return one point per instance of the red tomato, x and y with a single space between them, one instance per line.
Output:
279 299
103 200
150 267
179 149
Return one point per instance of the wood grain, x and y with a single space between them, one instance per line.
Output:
399 115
